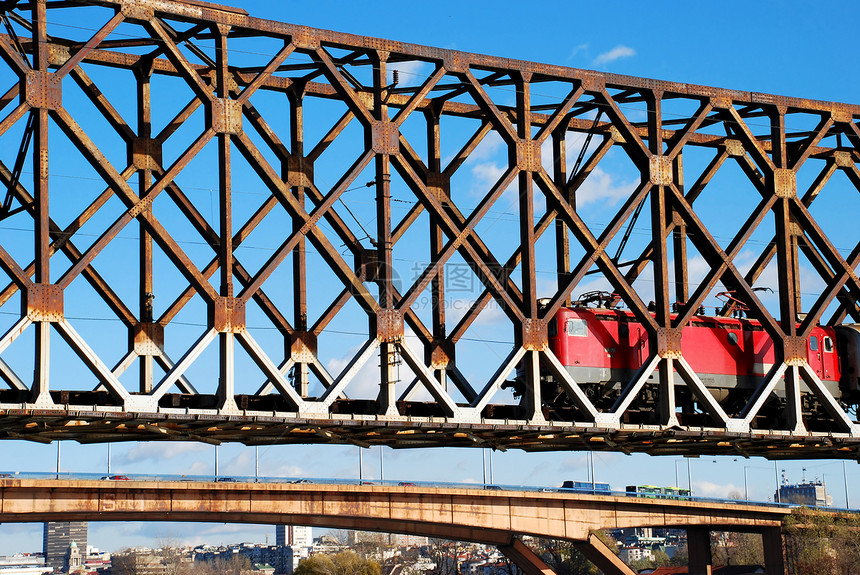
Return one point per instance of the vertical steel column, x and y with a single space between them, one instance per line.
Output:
40 388
226 339
437 238
699 551
774 550
562 239
663 342
300 295
525 156
679 237
782 182
387 350
144 179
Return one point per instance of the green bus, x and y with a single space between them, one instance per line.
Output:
656 492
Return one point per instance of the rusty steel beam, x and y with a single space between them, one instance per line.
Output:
289 321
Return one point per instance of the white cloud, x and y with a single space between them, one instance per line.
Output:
616 53
720 490
486 174
159 451
577 50
603 187
491 145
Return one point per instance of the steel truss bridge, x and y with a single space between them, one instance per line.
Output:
136 93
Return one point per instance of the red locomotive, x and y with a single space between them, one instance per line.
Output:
603 347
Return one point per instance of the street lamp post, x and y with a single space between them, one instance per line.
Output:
484 463
776 476
689 477
491 467
591 469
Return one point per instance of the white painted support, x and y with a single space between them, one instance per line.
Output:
495 383
762 392
346 376
701 391
14 332
570 386
430 382
322 373
184 363
268 387
122 365
276 378
93 361
633 388
410 390
827 400
182 383
9 376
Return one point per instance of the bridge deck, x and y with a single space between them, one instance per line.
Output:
490 516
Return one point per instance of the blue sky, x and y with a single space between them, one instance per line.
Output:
783 48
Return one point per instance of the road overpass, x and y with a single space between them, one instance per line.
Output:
490 516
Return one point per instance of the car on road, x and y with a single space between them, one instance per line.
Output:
226 480
5 476
116 478
406 484
301 481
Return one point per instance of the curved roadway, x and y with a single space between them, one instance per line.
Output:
482 515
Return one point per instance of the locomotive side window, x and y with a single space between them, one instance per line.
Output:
813 343
577 328
828 344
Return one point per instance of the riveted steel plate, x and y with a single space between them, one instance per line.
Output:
785 183
438 186
227 116
389 325
303 347
843 159
300 172
441 354
386 138
228 315
735 148
661 173
146 154
534 335
43 90
669 342
44 302
528 156
148 338
138 9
